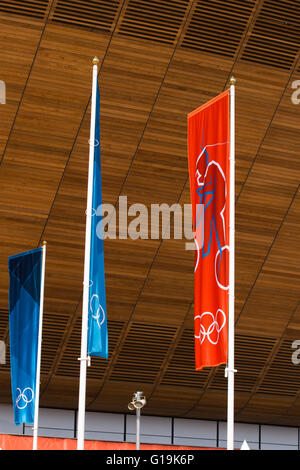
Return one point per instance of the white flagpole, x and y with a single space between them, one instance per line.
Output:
39 352
230 371
85 302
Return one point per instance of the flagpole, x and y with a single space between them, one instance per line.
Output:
84 358
230 371
39 351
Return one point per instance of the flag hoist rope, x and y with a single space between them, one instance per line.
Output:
230 371
39 351
84 359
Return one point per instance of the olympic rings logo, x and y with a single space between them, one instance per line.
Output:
95 144
24 398
212 333
99 311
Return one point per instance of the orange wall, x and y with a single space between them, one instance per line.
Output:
10 442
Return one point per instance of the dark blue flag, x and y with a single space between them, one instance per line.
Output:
97 318
25 271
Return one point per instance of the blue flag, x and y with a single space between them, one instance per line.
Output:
25 271
97 319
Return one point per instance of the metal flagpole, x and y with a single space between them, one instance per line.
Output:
138 426
230 371
39 351
84 358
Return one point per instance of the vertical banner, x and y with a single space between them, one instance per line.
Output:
97 321
25 272
208 155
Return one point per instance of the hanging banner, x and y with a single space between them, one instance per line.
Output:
25 271
208 155
97 320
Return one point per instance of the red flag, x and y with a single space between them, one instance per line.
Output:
208 154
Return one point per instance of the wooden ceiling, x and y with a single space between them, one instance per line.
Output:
159 60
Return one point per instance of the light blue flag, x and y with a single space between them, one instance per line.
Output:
97 318
25 270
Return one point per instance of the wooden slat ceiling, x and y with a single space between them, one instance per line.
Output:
159 60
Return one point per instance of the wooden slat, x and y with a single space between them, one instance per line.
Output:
69 365
98 14
19 40
154 20
142 354
29 8
217 27
181 369
282 375
275 37
251 355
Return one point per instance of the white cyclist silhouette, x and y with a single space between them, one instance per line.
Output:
210 220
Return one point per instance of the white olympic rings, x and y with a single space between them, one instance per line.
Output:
214 326
96 142
93 212
97 314
24 397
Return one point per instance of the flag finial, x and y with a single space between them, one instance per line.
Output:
44 242
95 60
232 80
